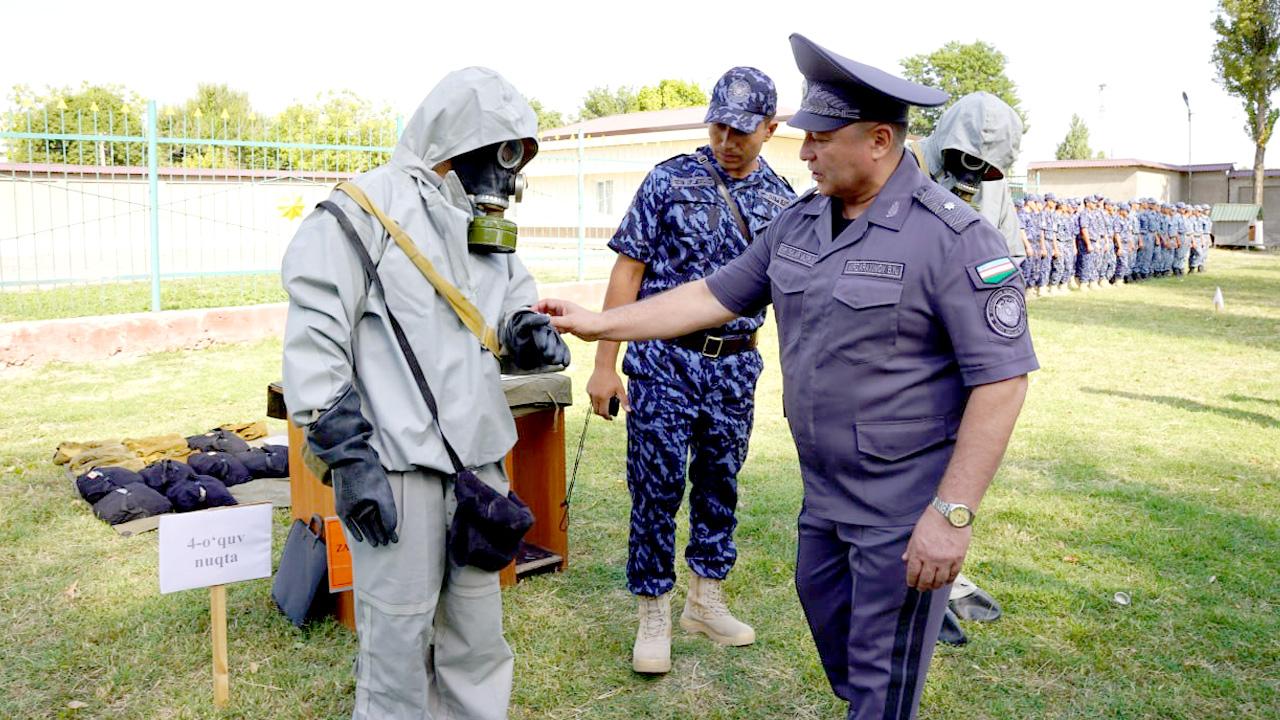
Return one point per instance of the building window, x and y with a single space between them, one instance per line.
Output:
604 197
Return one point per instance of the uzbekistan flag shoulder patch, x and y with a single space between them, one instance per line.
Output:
994 272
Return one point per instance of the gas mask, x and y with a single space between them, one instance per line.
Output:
491 175
963 174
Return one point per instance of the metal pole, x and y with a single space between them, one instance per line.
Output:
582 227
1187 101
153 181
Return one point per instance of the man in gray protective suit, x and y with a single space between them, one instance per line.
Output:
972 147
430 629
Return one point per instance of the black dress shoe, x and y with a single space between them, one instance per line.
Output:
951 634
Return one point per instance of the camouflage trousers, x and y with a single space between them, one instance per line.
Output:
695 413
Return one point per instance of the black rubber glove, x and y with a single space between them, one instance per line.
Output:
532 342
340 438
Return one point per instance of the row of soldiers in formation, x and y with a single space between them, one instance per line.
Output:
1095 242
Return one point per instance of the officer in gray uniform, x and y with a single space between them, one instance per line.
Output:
904 349
430 629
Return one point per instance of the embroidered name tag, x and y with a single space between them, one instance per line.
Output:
795 254
778 200
699 181
874 268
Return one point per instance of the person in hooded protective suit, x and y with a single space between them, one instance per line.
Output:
430 630
971 149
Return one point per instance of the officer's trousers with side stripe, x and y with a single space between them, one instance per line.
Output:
430 632
875 636
696 411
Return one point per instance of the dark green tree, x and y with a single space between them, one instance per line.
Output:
1075 146
547 119
1246 58
960 69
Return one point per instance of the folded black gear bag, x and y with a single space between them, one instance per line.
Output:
268 461
162 475
131 502
223 466
300 585
200 492
96 483
218 439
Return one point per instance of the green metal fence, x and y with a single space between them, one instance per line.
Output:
105 212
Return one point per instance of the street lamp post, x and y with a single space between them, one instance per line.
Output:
1187 101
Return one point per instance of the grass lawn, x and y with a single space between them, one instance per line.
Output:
1146 461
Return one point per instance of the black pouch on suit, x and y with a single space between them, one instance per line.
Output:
300 588
487 526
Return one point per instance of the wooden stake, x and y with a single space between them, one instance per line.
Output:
218 621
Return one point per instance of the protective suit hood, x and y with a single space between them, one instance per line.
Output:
468 109
979 124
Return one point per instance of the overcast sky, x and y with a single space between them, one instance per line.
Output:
1145 53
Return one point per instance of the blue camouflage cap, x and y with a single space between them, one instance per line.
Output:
839 91
742 98
1050 196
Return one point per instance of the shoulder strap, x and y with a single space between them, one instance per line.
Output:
724 193
467 312
918 151
415 368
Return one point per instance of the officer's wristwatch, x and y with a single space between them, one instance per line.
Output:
957 514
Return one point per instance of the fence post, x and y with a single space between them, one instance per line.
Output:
582 227
153 181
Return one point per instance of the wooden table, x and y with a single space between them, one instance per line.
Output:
535 466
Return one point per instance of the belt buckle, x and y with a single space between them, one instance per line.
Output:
706 344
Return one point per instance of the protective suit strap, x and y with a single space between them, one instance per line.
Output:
415 368
918 150
466 311
724 193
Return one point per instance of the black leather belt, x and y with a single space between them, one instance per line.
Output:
714 346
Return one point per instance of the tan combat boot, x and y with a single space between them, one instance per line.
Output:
705 612
652 651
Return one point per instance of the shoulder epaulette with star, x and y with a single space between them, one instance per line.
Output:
950 209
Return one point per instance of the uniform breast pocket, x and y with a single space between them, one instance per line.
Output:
788 281
695 216
865 317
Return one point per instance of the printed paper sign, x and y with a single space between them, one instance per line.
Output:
339 555
215 547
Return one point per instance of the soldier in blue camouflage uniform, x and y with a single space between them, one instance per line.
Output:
1160 228
1107 261
1145 239
1086 258
1200 248
1069 247
1045 250
690 398
1183 246
1124 253
1023 214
